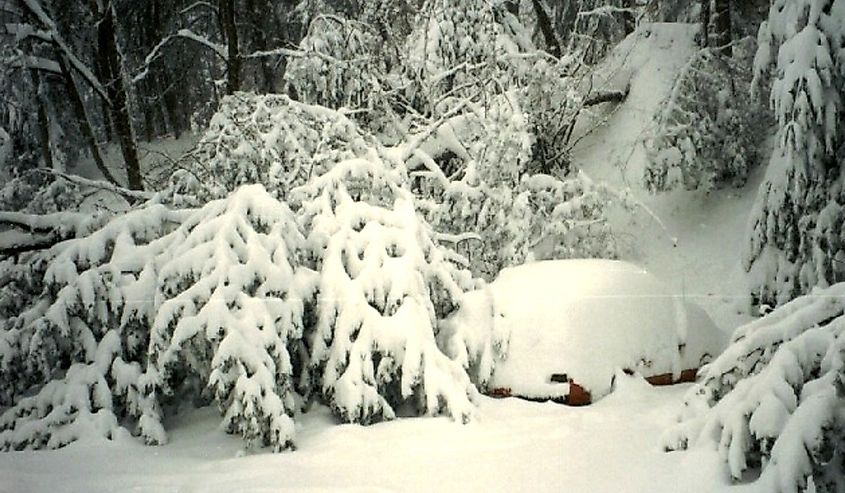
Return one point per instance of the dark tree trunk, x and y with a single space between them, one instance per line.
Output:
43 122
704 20
170 106
547 28
107 46
83 120
100 71
724 38
629 21
261 24
233 56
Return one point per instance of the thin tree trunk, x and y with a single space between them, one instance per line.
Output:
723 27
100 72
704 20
546 28
43 122
233 56
629 21
84 122
107 39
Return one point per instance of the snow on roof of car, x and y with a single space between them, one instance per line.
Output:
587 319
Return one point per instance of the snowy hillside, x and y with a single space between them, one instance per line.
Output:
710 228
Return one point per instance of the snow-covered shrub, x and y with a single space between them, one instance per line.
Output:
562 219
342 65
497 212
134 314
775 399
384 284
40 193
271 140
707 132
796 237
82 336
459 48
544 217
230 299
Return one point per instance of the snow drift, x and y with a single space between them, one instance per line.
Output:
581 320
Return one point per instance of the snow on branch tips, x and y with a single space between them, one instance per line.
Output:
230 303
341 65
794 233
774 401
82 334
271 140
384 285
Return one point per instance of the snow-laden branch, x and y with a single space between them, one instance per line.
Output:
218 49
457 238
607 10
35 8
33 223
196 5
131 195
37 63
408 149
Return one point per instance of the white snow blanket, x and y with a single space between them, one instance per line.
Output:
586 319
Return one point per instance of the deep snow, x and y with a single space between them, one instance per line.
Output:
585 318
512 445
700 249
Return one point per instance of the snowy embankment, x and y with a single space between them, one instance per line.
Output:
710 229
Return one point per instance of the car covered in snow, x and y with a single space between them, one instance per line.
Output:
562 329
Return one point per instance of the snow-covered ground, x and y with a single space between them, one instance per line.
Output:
512 445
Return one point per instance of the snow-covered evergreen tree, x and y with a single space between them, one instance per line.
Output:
229 308
155 298
458 48
384 284
79 341
775 399
796 237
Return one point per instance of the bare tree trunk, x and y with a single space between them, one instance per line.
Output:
43 122
704 20
723 27
83 120
233 60
107 40
100 72
629 21
547 28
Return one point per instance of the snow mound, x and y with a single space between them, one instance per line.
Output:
584 319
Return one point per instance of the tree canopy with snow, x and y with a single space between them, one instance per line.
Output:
796 234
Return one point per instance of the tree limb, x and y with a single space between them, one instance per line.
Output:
131 195
606 97
35 8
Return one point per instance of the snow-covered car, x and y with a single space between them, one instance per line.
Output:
562 329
